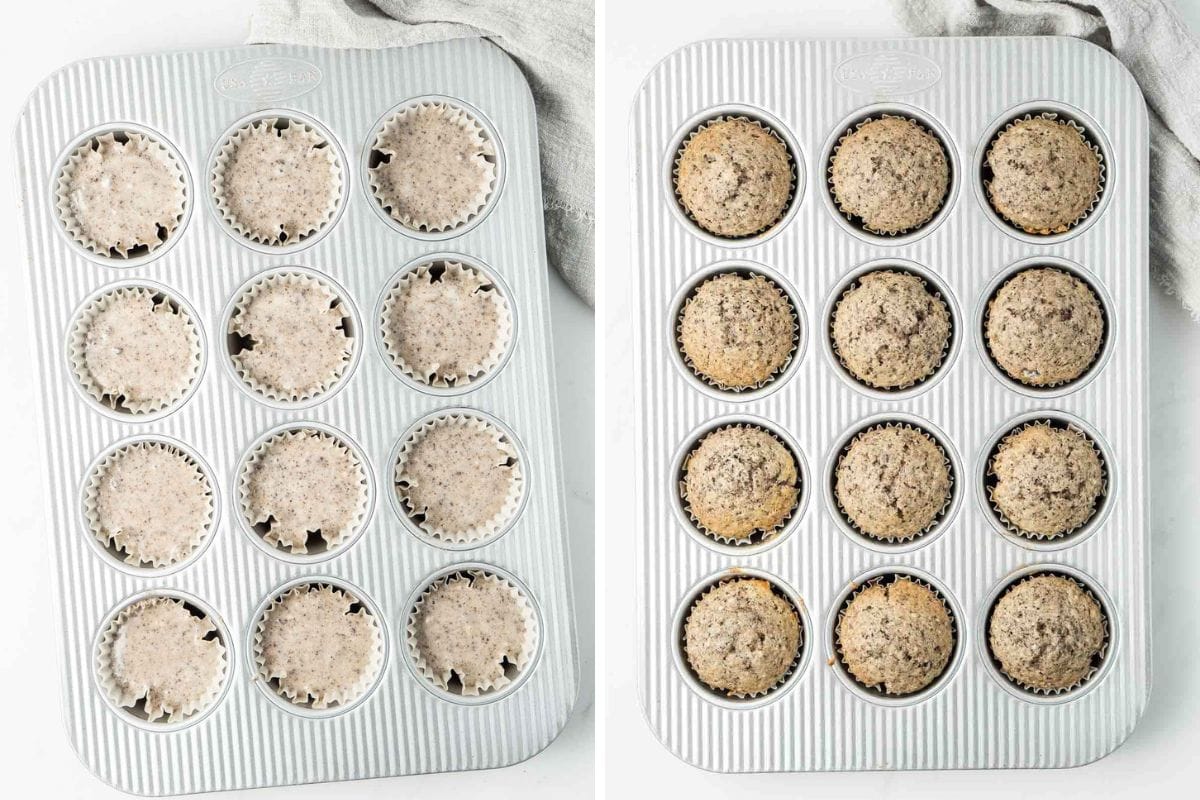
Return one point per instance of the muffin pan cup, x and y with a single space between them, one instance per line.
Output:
964 90
248 736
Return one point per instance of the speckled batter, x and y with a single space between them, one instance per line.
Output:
469 626
437 167
152 502
318 648
158 651
1044 175
277 185
1048 479
737 330
303 481
121 196
446 329
740 480
1046 632
138 351
895 636
734 177
1044 327
741 638
891 173
296 343
893 482
459 475
889 331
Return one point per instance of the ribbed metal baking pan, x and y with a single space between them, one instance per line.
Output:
190 99
963 88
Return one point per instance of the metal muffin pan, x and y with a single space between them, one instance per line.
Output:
965 90
190 101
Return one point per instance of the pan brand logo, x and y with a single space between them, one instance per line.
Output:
887 72
268 80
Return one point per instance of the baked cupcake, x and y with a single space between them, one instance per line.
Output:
458 478
135 350
472 633
891 174
889 331
445 324
737 331
318 646
734 177
1045 176
432 167
304 488
163 656
893 482
121 194
290 336
895 636
1044 327
740 482
741 638
151 503
1047 632
277 181
1048 480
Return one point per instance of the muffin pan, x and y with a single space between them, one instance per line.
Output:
971 715
249 735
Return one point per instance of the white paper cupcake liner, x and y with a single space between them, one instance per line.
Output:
125 699
117 402
523 658
881 580
241 306
712 381
758 537
853 218
112 541
221 164
1052 116
512 501
474 130
333 539
937 519
334 697
792 668
1097 659
437 379
67 215
739 118
990 480
933 292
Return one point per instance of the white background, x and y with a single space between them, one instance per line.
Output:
35 759
1159 759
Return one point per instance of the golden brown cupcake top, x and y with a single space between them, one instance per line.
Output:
893 482
741 638
1045 175
1048 479
734 177
891 173
739 481
1044 327
737 331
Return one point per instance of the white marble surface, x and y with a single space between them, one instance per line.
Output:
1158 759
35 759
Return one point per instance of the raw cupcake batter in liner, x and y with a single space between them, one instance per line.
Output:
467 627
316 648
151 502
121 194
159 652
302 481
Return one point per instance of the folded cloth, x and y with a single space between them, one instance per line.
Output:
551 40
1164 57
